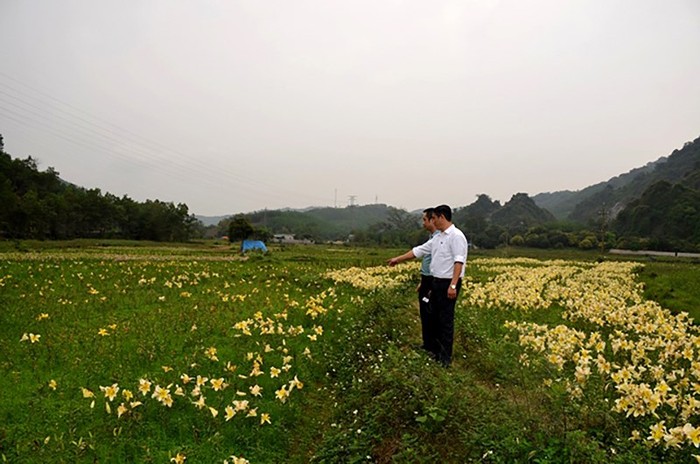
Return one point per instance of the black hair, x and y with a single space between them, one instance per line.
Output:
443 210
429 212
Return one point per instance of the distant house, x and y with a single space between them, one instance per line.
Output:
290 239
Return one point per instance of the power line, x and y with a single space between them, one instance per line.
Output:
14 117
154 156
148 152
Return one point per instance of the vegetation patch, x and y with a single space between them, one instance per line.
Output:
308 356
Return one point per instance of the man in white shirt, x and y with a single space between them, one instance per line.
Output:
448 252
426 284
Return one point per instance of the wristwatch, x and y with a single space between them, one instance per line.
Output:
453 287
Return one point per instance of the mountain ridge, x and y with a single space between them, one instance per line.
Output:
582 205
617 192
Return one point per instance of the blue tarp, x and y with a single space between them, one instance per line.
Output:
253 245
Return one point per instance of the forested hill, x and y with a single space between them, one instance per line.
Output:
484 221
561 204
654 207
488 223
39 205
334 223
667 215
585 205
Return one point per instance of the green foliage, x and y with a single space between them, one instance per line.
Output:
297 223
520 222
370 396
474 217
156 310
590 210
239 228
399 229
39 205
587 243
673 284
656 220
521 212
487 224
398 406
330 224
585 205
353 217
668 215
658 206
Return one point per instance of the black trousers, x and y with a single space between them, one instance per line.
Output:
426 287
441 320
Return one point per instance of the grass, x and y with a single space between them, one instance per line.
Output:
674 284
368 395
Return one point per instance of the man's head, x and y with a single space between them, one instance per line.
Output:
428 216
442 217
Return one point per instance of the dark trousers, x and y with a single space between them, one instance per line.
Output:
426 287
441 320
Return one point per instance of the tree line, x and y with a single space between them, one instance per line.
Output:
666 216
40 205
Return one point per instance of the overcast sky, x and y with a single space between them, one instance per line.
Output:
234 106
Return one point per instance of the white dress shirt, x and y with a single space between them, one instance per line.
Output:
446 249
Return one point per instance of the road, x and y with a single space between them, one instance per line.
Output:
678 254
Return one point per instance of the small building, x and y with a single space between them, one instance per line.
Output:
290 239
283 238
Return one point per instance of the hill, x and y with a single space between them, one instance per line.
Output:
562 204
209 220
40 205
327 223
521 211
666 215
585 206
488 224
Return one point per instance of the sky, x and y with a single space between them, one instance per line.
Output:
235 106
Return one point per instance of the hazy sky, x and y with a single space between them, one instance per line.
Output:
234 106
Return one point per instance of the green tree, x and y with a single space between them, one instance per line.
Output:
38 204
240 228
668 215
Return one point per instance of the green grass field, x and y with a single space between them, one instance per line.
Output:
125 352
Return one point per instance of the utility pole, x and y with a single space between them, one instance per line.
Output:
351 201
603 224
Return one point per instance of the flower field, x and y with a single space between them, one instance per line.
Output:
631 354
306 355
100 351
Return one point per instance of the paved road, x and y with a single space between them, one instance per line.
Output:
679 254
